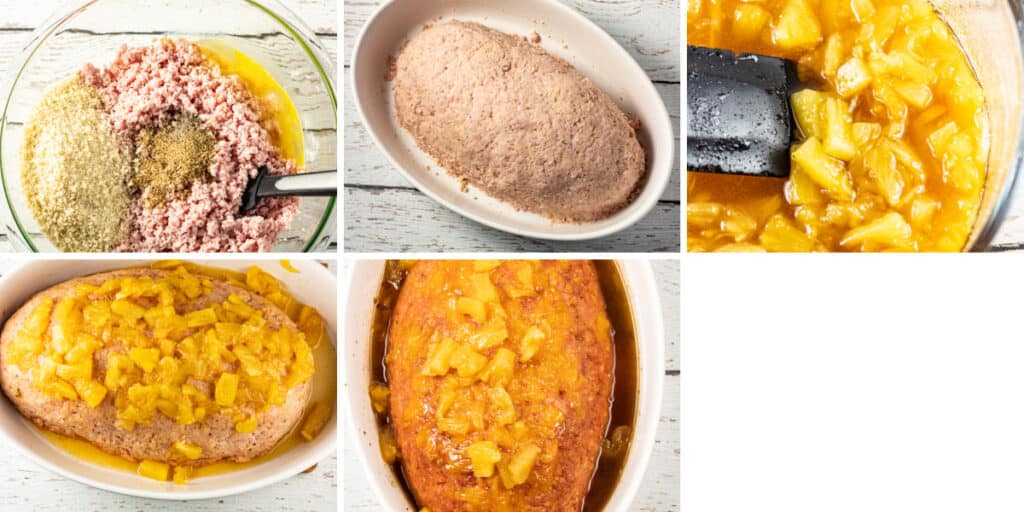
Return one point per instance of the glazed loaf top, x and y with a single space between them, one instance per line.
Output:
500 377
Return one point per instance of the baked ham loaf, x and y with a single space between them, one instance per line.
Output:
517 122
500 376
150 404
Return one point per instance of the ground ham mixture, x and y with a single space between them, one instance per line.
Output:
146 86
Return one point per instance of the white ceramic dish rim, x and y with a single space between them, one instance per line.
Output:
657 179
324 445
642 292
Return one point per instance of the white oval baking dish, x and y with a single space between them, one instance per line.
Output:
313 285
364 280
564 33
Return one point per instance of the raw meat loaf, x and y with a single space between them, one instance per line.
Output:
519 123
560 393
216 434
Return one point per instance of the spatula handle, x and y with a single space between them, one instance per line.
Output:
738 115
303 184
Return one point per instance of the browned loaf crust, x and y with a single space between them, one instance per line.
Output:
216 434
435 465
517 122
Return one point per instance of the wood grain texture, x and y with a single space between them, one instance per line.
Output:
404 220
19 19
384 212
660 490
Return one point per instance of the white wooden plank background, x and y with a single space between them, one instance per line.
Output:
660 490
383 212
19 18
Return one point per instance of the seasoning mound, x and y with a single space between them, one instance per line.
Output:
171 156
153 153
75 171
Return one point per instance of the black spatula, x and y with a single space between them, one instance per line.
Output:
303 184
739 120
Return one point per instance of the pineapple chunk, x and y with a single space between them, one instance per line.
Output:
852 78
466 361
200 318
388 445
491 334
155 470
145 358
181 475
226 389
739 225
246 426
530 343
802 190
826 171
894 104
939 139
838 140
91 391
922 211
485 265
499 370
863 10
483 455
866 133
457 426
748 21
128 310
797 26
809 112
502 409
780 235
965 177
287 265
889 230
483 288
524 278
39 320
876 34
908 67
64 390
522 464
740 247
445 399
380 397
881 167
439 359
315 421
908 157
918 95
703 214
961 146
472 307
82 370
188 450
833 56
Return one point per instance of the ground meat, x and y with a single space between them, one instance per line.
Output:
517 122
147 85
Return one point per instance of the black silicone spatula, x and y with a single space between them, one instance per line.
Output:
739 120
302 184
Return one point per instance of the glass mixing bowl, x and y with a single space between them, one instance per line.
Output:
992 34
93 31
